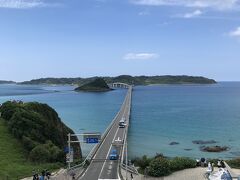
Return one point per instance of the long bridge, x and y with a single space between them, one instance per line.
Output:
101 167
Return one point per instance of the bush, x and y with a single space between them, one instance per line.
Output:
159 167
180 163
234 163
46 153
55 153
142 163
162 166
28 143
39 154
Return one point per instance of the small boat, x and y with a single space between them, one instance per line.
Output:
221 174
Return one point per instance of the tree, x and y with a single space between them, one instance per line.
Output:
159 167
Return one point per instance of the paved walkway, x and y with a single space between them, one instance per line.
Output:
60 175
187 174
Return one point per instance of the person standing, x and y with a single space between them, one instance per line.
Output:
212 167
131 176
42 176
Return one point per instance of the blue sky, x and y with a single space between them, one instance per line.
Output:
82 38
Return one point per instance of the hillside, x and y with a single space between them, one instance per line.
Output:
96 85
13 161
135 80
39 130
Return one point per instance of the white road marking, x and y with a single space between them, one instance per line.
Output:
118 140
107 154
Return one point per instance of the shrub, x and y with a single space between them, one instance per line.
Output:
159 167
142 163
28 143
46 153
159 155
55 153
234 163
39 154
180 163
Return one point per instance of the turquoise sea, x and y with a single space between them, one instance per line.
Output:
161 114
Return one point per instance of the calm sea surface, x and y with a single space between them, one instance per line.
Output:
161 114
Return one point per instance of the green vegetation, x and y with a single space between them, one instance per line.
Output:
40 130
13 161
96 85
135 80
162 166
234 163
159 167
32 136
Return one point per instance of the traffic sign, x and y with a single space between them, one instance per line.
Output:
66 149
69 157
91 140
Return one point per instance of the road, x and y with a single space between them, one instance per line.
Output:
101 167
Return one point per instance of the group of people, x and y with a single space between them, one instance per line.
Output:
45 175
220 164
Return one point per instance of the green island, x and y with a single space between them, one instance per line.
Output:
134 80
32 137
97 85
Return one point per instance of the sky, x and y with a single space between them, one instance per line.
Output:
83 38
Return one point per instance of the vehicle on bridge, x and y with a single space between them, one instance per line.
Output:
122 123
113 155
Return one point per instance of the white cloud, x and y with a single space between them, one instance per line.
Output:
143 13
24 4
140 56
235 33
193 14
215 4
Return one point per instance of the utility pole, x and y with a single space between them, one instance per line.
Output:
69 150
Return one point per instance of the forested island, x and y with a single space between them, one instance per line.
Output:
97 85
134 80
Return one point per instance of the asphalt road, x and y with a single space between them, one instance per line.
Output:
101 167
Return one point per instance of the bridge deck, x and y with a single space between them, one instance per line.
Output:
101 167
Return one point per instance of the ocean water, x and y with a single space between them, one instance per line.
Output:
81 111
161 114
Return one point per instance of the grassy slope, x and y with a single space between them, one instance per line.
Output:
12 157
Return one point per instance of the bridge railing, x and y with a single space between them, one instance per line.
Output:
124 149
119 85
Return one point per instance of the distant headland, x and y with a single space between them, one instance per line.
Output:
134 80
7 82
